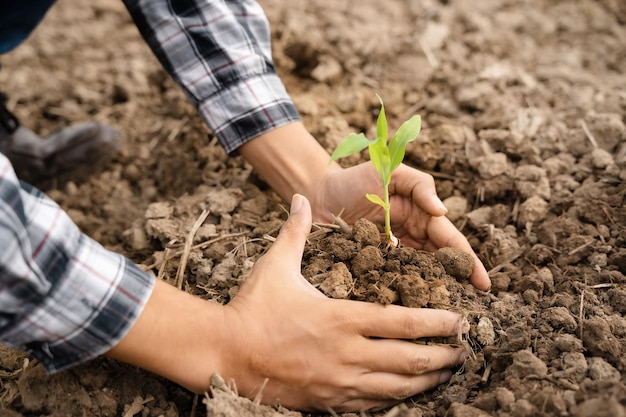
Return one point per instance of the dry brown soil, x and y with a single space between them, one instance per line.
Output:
524 104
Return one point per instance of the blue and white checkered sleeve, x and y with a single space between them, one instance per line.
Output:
219 51
63 297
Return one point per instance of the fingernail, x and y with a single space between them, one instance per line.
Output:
440 204
445 376
462 358
296 203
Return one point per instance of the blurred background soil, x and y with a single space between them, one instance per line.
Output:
523 104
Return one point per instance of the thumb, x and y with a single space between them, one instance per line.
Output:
292 237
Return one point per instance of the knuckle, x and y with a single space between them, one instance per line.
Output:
401 391
419 363
343 318
429 179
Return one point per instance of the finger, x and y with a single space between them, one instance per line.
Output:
404 357
358 404
289 245
292 237
397 322
480 277
389 386
419 187
442 233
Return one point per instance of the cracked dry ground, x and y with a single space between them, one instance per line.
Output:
524 104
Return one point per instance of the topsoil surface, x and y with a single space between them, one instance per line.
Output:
523 103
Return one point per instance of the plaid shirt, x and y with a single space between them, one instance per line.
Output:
219 51
63 297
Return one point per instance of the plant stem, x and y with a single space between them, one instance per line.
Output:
387 212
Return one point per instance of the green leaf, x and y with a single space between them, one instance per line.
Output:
352 144
376 200
379 155
407 133
381 123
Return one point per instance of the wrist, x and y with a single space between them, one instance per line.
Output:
177 336
291 161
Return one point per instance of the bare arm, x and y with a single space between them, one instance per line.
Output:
291 161
178 336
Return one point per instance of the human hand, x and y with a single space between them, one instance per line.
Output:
317 353
283 338
292 161
417 214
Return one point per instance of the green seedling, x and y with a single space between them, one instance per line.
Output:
386 155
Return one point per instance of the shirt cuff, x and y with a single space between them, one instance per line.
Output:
247 109
93 308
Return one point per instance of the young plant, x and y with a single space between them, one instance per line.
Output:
386 155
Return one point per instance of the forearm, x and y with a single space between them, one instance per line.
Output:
177 336
291 161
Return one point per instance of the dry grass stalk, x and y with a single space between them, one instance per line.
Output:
204 244
588 133
187 249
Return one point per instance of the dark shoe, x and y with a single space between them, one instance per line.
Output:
65 150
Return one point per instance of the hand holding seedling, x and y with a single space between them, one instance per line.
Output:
418 224
385 155
292 161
